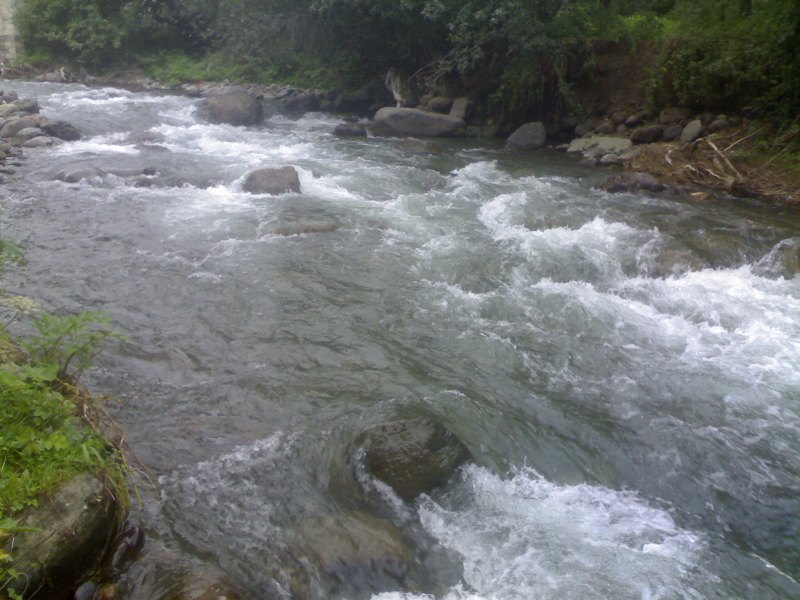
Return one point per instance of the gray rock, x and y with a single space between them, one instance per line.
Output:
413 456
10 96
234 109
718 124
673 114
609 159
692 131
439 104
634 120
70 532
6 110
597 146
15 125
27 105
605 128
301 103
647 134
782 261
62 130
39 141
415 122
528 136
27 133
672 132
278 181
460 108
350 130
632 182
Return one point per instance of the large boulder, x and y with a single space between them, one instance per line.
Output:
282 180
460 108
6 110
239 108
413 456
673 114
62 130
27 105
64 537
13 126
647 134
28 133
415 122
528 137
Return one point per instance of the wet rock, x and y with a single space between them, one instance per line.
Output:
415 146
672 132
282 180
632 182
125 547
355 552
692 131
77 175
40 141
301 103
673 114
782 261
301 227
27 133
350 130
528 137
239 108
460 108
413 456
415 122
202 586
647 134
62 130
27 105
70 533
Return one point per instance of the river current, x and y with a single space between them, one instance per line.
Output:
625 369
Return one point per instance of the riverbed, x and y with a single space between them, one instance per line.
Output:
624 369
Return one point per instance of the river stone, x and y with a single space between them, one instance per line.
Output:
27 133
301 103
6 110
527 137
278 181
27 105
647 134
782 261
672 132
12 126
71 531
40 141
62 130
354 549
415 122
460 108
239 108
596 146
350 130
632 182
673 114
439 104
413 456
718 124
692 131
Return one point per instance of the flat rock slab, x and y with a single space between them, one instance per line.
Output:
415 122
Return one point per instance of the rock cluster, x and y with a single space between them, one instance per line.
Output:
21 126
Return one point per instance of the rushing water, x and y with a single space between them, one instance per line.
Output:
625 369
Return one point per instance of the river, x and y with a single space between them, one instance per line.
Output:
625 369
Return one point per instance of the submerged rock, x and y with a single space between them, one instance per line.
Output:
278 181
350 130
782 261
301 227
239 108
415 122
70 532
413 456
62 130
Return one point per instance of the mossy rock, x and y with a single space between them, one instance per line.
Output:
65 536
413 456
